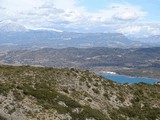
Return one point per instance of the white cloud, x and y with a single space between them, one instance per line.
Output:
140 29
68 15
127 12
119 13
67 5
14 6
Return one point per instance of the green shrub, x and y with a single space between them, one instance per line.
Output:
95 90
4 88
2 118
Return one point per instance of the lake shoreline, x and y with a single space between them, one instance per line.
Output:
128 79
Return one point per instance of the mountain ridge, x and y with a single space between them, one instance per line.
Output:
33 39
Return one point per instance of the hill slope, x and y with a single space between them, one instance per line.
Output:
83 57
123 61
35 93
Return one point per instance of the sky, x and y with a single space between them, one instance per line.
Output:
130 17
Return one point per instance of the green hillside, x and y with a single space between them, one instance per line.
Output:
40 93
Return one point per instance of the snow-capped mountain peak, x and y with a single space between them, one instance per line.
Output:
46 29
10 26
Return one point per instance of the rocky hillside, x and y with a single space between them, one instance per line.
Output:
122 61
85 57
40 93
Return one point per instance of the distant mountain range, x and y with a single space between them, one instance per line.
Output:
9 26
42 39
16 36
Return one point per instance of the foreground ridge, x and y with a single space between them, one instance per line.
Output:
33 93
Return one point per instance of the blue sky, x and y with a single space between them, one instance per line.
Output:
130 17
